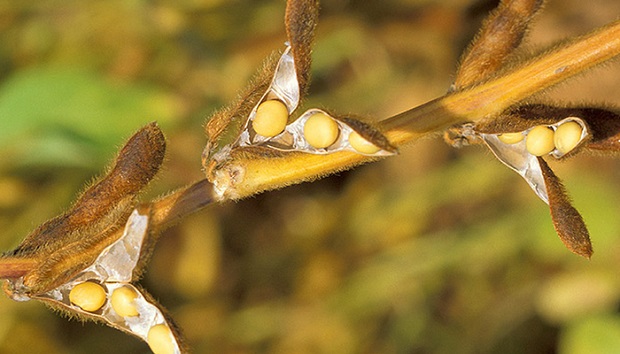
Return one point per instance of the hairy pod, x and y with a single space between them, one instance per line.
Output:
71 241
493 47
566 219
300 21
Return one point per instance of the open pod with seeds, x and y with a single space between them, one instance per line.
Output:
84 262
522 136
520 150
264 125
104 292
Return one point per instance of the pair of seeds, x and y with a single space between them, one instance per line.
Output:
543 139
91 297
320 130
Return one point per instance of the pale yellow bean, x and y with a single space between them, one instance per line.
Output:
567 136
321 131
270 119
362 145
511 138
122 301
539 140
160 339
88 296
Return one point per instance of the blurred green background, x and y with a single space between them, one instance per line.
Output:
433 251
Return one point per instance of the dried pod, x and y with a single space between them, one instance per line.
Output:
522 118
518 139
520 153
285 80
225 126
502 32
567 221
104 291
58 247
300 21
605 127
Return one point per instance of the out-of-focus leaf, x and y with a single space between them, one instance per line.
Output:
595 335
570 296
61 111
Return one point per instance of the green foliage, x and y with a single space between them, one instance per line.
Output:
68 117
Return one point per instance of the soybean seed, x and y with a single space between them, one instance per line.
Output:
362 145
160 339
539 140
511 138
320 130
122 301
88 296
270 119
567 136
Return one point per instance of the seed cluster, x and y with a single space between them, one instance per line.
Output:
92 297
544 139
319 131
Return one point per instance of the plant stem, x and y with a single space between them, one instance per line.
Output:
171 208
494 96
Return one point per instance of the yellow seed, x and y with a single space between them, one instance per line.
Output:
510 138
567 136
88 296
270 119
160 339
321 130
362 145
539 140
122 301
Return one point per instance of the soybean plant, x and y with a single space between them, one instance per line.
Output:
87 261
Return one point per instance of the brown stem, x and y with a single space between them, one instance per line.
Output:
171 208
494 96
